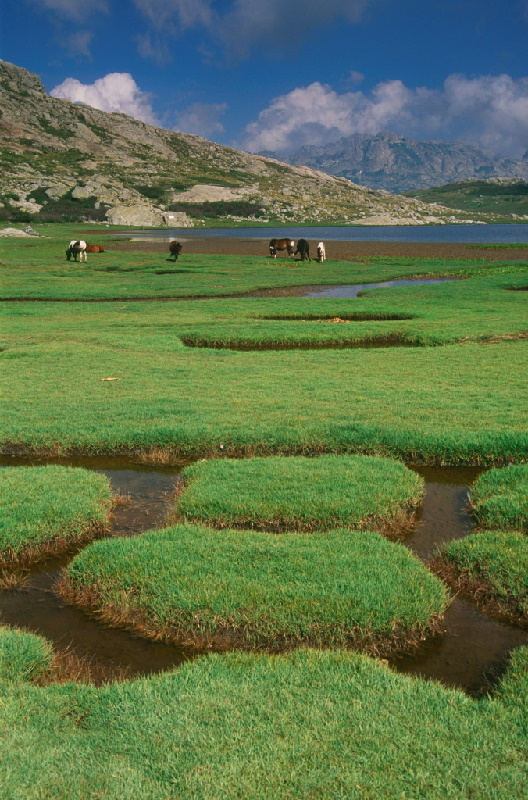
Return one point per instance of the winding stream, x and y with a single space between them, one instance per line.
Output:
470 654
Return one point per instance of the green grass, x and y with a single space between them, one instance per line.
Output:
326 725
461 403
23 656
37 269
492 566
189 583
499 498
43 509
300 493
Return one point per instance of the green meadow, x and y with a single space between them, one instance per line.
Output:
460 402
97 358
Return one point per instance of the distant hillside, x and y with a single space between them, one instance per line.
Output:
65 161
392 162
497 196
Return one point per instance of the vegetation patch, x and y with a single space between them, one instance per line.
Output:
23 656
301 494
499 498
302 725
194 585
491 567
49 509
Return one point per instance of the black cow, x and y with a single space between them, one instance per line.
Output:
303 248
175 249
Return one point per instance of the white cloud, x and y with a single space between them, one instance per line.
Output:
201 119
117 91
489 111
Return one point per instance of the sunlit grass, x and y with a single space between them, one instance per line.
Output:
309 724
300 493
500 498
43 509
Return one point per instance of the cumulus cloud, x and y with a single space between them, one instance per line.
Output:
79 43
117 91
201 119
489 111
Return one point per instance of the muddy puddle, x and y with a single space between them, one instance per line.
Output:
343 291
470 654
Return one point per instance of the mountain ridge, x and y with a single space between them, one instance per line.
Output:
61 158
400 164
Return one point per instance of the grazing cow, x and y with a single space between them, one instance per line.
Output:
175 249
321 252
281 244
94 248
303 248
76 248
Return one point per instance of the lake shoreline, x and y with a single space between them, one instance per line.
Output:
340 250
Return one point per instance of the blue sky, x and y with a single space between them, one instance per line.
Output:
276 74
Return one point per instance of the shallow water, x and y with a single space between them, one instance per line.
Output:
470 654
462 233
352 290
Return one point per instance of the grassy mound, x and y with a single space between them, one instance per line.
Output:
48 509
191 584
300 493
309 724
23 656
492 566
500 498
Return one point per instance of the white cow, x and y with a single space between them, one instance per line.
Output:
321 252
77 248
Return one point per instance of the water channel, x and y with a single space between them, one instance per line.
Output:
469 654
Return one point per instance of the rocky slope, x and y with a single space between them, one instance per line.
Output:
392 162
61 158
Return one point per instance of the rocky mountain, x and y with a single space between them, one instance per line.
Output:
61 160
397 164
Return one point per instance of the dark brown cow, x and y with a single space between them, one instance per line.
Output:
281 244
175 249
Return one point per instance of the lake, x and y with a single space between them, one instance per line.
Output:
457 234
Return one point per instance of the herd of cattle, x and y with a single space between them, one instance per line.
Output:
77 249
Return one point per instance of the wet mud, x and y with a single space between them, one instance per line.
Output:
470 654
341 250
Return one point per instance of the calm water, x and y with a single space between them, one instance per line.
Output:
470 653
474 234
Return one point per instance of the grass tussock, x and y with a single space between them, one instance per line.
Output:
499 498
194 585
300 494
47 510
492 568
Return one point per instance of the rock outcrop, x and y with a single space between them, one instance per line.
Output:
70 159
